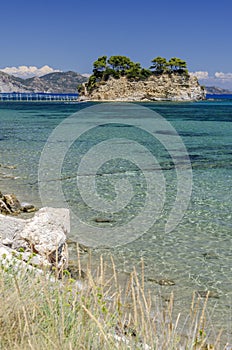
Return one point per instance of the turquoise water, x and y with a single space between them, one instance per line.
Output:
197 255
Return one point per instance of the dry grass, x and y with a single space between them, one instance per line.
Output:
40 314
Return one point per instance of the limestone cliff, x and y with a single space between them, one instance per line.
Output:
164 87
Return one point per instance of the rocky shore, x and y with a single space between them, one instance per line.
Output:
35 243
38 245
165 87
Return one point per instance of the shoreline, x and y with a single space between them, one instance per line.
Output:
182 284
89 257
139 101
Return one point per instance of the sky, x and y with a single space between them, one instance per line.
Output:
71 34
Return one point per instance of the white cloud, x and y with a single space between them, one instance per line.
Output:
29 71
218 79
223 76
200 74
87 75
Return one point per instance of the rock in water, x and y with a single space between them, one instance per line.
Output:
12 203
9 204
27 207
166 282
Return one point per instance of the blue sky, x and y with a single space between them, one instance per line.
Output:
70 35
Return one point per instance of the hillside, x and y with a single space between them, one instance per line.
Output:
58 82
9 83
217 91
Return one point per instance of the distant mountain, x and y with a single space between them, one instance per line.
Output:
58 82
9 83
217 91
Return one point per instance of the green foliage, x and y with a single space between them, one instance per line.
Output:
145 73
91 82
121 66
174 65
80 88
120 63
100 64
177 65
134 71
159 64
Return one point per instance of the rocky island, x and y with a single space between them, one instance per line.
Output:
120 79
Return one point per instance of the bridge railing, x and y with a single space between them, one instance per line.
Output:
16 96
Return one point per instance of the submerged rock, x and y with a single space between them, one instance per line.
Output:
208 294
166 282
162 282
27 207
74 270
104 220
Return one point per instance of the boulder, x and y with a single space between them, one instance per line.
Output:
27 207
45 234
10 227
9 204
13 263
13 203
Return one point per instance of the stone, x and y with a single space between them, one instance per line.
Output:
164 87
9 204
74 271
12 203
3 207
77 247
166 282
208 293
10 227
13 263
152 279
210 255
27 207
7 242
103 220
45 235
34 259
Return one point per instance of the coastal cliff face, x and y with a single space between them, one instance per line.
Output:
165 87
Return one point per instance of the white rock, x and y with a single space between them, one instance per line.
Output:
9 259
47 230
7 241
44 234
10 226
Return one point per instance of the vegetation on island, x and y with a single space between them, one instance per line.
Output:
122 66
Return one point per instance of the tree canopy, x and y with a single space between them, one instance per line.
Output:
177 64
174 65
159 64
119 66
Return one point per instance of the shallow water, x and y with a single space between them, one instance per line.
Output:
197 254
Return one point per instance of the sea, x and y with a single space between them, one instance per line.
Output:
159 153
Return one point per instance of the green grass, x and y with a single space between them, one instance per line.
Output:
37 313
